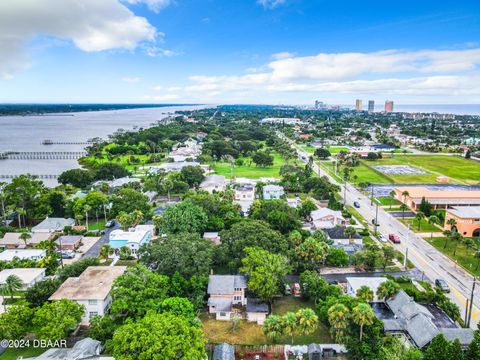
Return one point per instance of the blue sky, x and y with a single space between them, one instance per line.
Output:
242 51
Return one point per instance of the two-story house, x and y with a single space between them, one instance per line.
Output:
224 292
273 192
326 218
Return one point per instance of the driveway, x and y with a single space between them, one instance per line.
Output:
94 250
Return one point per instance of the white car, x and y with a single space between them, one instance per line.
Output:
383 238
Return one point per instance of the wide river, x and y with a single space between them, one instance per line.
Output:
26 133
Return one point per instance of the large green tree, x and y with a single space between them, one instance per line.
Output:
129 200
277 213
54 320
39 293
16 322
159 337
183 217
265 271
76 177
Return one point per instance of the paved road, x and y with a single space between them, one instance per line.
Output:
94 251
423 255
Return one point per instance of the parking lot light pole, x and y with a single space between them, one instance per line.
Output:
405 265
471 302
376 219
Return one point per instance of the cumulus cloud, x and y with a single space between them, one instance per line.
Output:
390 72
157 87
283 55
154 5
270 4
91 25
131 80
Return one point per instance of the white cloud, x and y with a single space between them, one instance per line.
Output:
270 4
91 25
131 80
446 73
157 87
154 5
155 51
283 55
164 98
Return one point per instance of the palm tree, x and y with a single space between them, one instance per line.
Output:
404 208
273 327
338 316
362 315
86 208
290 326
307 321
387 290
405 194
25 236
12 285
105 251
433 220
456 237
419 217
448 235
392 196
365 293
350 232
452 222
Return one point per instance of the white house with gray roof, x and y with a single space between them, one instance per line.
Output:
273 192
213 183
224 292
50 225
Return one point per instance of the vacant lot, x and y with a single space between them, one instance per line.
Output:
249 169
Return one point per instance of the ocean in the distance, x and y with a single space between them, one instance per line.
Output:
26 133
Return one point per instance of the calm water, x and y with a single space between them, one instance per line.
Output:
26 133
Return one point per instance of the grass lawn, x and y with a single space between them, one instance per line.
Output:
465 257
13 353
130 263
459 169
387 201
424 225
308 148
250 170
357 215
92 224
249 333
336 149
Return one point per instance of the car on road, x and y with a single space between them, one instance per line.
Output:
394 238
109 224
383 238
356 204
442 285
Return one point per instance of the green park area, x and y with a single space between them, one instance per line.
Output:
423 226
465 255
459 170
249 169
249 333
387 201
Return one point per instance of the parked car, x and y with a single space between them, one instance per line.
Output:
442 285
67 254
356 204
394 238
383 238
296 289
110 224
288 290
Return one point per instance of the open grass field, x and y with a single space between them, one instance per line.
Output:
387 201
424 225
249 333
464 256
249 169
332 149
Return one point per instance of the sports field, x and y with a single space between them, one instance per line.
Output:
459 170
249 169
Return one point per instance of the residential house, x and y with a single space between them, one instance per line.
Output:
50 225
213 237
403 315
91 289
117 183
273 192
213 183
326 218
82 350
28 276
12 240
224 292
69 242
341 241
133 238
467 220
174 166
23 254
244 196
355 283
224 351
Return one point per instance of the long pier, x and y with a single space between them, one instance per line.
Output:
51 142
36 176
42 155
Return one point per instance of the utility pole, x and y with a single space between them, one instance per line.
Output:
471 302
371 197
376 220
405 265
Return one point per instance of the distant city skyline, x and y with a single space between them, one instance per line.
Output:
251 51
